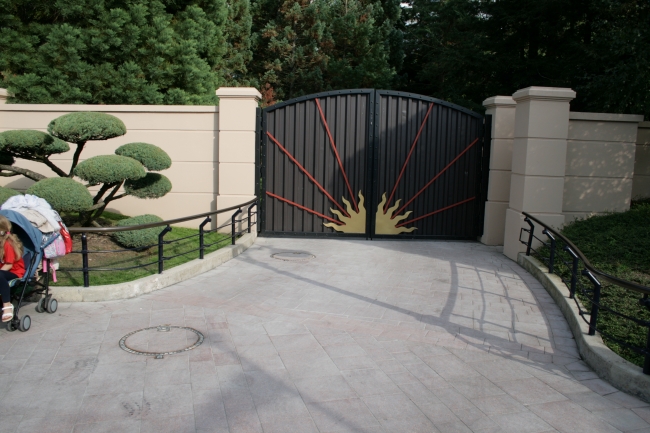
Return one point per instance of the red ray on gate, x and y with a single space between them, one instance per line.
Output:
401 173
435 212
399 211
318 185
338 158
304 208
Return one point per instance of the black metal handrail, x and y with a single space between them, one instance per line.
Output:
207 217
590 273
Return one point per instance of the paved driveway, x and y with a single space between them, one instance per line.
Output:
381 336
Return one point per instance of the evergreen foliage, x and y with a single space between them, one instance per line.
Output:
113 51
153 185
34 144
152 157
83 126
139 238
5 193
109 169
63 194
238 53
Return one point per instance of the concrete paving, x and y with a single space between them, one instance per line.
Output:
381 336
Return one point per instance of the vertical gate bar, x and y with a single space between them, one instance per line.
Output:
84 259
261 210
372 155
484 176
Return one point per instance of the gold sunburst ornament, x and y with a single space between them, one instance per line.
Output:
355 223
386 224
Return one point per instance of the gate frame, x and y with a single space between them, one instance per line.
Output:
372 155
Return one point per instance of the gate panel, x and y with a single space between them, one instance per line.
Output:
302 176
427 168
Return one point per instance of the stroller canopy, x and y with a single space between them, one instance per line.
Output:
30 236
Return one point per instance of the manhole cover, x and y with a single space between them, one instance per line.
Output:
161 340
293 256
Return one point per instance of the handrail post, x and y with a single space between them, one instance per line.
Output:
593 319
84 259
574 272
551 259
232 220
250 208
530 235
201 233
161 258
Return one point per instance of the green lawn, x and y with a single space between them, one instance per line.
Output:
617 244
186 242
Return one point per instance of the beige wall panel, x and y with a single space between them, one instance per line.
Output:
544 119
642 161
169 207
192 177
641 187
236 178
186 121
236 146
499 186
599 159
536 193
602 131
538 157
501 154
494 223
596 194
238 115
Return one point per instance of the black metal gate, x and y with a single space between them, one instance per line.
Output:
372 163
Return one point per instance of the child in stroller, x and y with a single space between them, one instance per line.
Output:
19 230
12 265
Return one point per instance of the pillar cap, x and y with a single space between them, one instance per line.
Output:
4 95
499 101
239 92
544 94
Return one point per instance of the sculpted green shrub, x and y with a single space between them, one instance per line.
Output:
63 194
83 126
5 193
152 157
153 185
109 169
31 143
138 238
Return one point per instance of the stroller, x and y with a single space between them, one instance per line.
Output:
29 284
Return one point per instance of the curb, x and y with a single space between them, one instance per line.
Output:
132 289
608 365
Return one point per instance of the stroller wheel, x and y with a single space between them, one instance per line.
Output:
11 327
40 305
25 323
51 305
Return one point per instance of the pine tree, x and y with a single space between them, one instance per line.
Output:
113 51
238 44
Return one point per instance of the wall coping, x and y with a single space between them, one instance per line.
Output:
544 94
112 108
607 117
238 92
645 124
608 365
499 101
132 289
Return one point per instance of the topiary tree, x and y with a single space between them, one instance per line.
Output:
63 194
5 193
128 167
138 238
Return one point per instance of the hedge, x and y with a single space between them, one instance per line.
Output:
85 125
109 169
153 185
138 238
152 157
63 194
5 193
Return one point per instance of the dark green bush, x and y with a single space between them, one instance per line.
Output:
83 126
6 158
138 238
152 157
153 185
5 193
63 194
32 142
109 169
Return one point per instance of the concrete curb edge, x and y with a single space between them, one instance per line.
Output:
132 289
608 365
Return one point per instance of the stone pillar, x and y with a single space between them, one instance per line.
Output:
538 161
236 147
3 96
502 110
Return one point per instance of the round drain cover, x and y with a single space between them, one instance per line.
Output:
161 340
292 256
